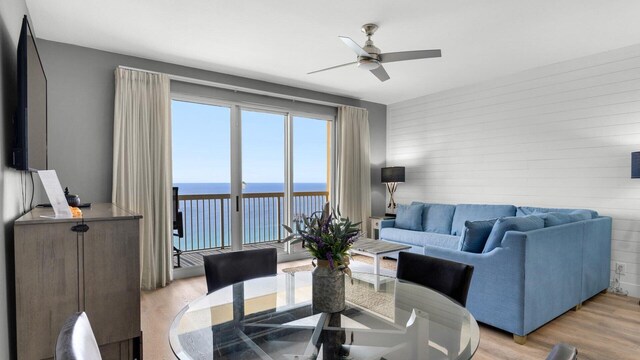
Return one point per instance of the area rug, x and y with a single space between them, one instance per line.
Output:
388 264
361 292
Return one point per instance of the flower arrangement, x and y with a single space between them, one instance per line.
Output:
327 236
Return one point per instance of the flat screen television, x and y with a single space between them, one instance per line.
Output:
30 126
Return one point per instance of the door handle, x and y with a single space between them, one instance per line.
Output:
237 203
82 228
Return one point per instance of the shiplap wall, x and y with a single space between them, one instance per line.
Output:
555 136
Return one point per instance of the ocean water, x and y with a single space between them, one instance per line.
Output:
207 224
225 188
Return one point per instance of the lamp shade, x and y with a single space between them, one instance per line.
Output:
393 174
635 165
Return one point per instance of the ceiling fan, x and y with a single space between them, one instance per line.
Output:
370 58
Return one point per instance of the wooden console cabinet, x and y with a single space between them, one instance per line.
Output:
62 267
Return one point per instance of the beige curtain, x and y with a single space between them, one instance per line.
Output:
354 169
142 176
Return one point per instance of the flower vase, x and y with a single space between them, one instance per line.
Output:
328 288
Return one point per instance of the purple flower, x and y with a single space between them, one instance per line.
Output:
330 258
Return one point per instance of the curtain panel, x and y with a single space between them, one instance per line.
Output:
354 168
142 173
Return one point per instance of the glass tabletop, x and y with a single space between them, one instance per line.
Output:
273 318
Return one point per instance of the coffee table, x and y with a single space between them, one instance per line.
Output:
376 249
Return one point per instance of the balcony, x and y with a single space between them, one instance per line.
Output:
206 221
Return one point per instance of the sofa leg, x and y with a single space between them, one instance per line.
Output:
577 307
604 291
520 340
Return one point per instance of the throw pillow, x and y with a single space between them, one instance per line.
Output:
528 210
581 215
475 235
511 223
409 217
556 218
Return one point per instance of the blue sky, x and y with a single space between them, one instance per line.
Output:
201 146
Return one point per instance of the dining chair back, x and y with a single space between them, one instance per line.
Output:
447 277
76 340
563 352
229 268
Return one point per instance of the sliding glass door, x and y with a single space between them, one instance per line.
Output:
242 172
263 174
202 173
311 163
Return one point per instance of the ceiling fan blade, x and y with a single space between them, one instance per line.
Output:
409 55
333 67
380 73
354 46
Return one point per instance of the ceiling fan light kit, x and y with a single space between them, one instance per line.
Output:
368 64
370 58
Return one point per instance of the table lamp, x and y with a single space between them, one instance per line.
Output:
635 169
392 176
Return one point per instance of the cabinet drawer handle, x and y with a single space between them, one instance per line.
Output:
80 228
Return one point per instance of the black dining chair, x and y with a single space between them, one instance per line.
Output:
447 277
563 352
228 268
76 340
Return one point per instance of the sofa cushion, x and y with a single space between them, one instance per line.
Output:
475 235
473 212
437 218
529 210
557 218
511 223
409 217
419 238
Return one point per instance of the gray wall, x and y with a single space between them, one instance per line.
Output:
81 93
11 13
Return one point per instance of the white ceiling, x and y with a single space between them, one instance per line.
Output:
281 40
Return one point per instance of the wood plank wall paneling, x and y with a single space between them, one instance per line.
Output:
555 136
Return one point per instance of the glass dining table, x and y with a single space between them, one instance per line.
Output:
273 318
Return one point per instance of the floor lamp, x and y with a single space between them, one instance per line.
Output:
392 176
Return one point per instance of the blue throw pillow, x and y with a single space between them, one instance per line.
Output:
556 218
529 210
511 223
581 215
475 235
409 217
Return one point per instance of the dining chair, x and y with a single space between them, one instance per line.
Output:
228 268
76 340
447 277
563 352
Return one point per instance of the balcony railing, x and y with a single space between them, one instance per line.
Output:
207 222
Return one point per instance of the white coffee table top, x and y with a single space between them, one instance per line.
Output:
377 247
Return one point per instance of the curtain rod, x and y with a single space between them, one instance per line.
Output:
235 88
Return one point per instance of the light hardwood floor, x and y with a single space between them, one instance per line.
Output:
607 326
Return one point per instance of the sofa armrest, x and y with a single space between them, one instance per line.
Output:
496 295
387 223
553 272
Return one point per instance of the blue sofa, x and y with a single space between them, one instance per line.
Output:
531 277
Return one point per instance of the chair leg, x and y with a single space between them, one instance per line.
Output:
520 340
577 307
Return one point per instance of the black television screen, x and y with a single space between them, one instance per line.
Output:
30 140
